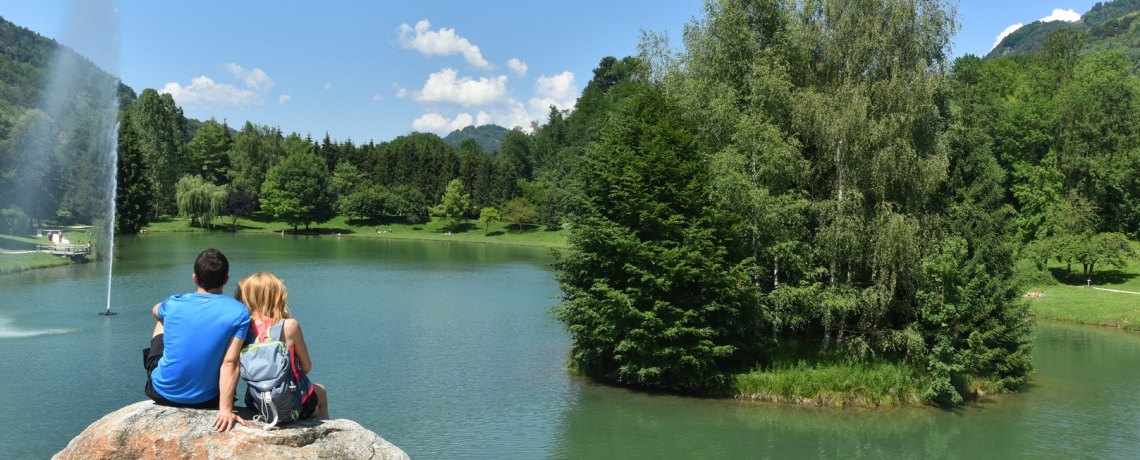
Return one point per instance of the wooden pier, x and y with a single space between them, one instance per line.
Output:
64 250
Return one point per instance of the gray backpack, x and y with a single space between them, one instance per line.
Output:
268 372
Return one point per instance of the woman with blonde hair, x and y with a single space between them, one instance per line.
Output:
265 296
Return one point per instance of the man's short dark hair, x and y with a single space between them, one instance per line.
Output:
211 269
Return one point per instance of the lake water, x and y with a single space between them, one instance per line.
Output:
448 351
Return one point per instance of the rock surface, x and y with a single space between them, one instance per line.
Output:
148 431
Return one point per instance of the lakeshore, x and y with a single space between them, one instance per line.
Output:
468 231
1110 300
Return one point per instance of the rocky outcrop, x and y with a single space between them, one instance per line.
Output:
148 431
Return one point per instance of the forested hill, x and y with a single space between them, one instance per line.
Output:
25 58
489 137
1105 26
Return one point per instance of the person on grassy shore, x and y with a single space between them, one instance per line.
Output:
265 296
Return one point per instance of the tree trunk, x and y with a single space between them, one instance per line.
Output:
835 244
776 284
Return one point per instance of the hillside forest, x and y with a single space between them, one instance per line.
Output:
794 182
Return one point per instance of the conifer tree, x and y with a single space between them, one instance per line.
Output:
133 188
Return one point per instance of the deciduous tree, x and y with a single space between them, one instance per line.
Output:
298 191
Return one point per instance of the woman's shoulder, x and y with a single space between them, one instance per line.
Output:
291 324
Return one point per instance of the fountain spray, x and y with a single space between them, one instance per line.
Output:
114 153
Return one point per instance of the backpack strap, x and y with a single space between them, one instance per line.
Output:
277 331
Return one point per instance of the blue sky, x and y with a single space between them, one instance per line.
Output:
377 70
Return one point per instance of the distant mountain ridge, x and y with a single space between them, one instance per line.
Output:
1106 26
489 137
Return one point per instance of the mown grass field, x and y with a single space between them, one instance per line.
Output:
1072 301
471 231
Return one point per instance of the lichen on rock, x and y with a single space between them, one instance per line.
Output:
147 431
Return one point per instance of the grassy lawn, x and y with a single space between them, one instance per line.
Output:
11 263
1076 303
470 231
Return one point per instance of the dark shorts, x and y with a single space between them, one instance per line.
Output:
151 356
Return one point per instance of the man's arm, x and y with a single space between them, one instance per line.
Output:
227 384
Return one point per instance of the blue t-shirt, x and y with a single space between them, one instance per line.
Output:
197 329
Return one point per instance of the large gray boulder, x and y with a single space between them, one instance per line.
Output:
148 431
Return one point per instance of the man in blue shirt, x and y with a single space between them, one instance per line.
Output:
193 356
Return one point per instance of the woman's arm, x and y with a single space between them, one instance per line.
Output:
294 338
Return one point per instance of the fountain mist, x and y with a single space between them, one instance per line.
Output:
77 123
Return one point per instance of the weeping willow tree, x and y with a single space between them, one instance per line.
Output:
871 218
199 200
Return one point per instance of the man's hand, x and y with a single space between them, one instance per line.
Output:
226 420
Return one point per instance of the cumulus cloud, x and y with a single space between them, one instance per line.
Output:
559 91
515 116
377 97
1005 33
204 93
445 86
482 119
254 79
441 43
1062 15
436 123
328 87
517 67
284 98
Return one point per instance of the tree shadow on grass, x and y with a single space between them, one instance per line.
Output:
463 227
514 228
496 233
1100 278
380 221
259 216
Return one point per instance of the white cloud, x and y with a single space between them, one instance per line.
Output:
442 43
436 123
482 119
377 97
254 79
445 87
1062 15
515 115
400 92
284 98
517 67
203 93
328 87
1005 33
559 91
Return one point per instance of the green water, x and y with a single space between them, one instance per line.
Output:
448 351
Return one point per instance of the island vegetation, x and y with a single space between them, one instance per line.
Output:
807 201
810 201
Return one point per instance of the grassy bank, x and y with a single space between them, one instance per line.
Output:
470 231
1078 303
833 384
11 263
